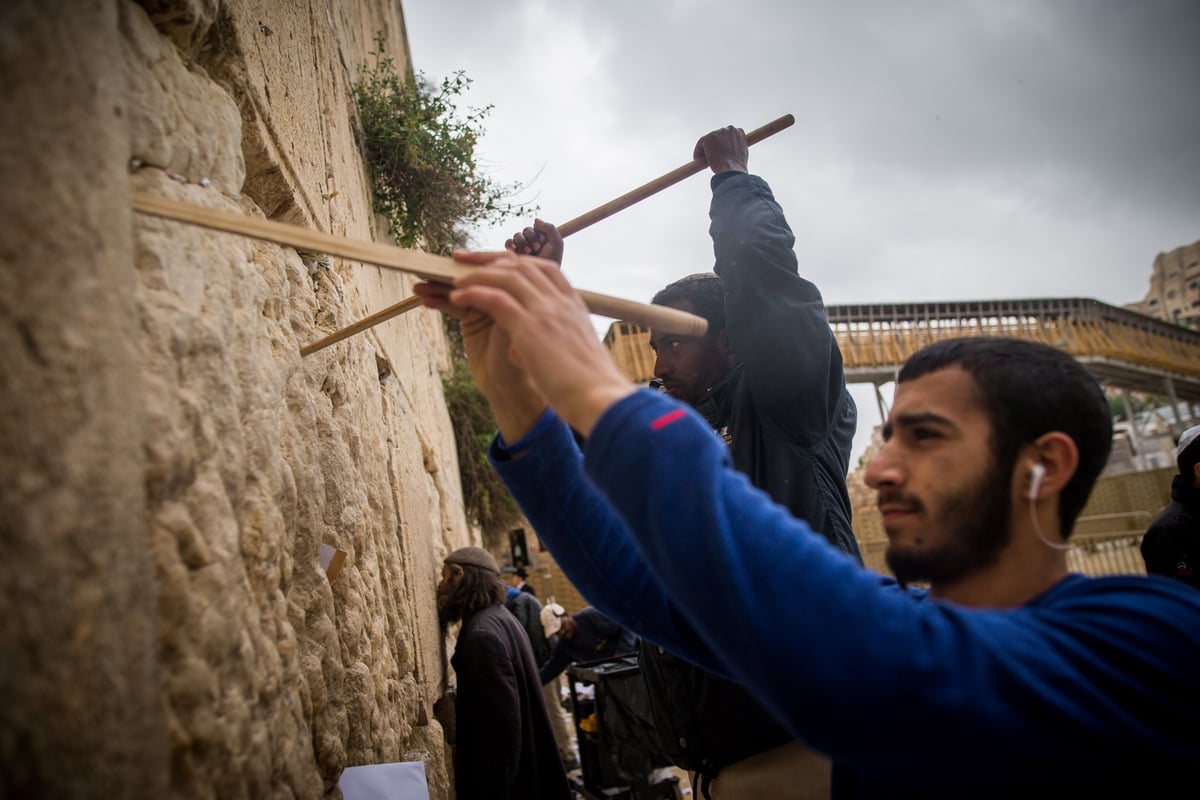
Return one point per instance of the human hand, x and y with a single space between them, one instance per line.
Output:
549 335
725 148
541 240
515 402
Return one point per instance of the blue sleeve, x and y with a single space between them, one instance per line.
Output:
869 674
775 319
591 544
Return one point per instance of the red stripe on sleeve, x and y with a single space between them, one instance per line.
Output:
667 419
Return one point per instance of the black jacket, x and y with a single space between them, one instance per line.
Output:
790 423
596 636
505 748
528 611
1171 545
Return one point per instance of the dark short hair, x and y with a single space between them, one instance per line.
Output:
1029 389
705 293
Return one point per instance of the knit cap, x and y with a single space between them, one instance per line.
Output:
475 557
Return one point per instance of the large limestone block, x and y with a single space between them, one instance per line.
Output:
81 707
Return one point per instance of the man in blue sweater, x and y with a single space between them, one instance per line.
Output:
1007 676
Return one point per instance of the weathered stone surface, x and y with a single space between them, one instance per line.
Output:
180 121
172 465
81 709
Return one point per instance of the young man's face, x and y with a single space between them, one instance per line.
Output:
946 509
688 366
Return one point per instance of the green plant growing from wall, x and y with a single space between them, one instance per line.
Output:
485 496
420 154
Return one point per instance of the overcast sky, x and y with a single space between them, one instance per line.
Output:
943 150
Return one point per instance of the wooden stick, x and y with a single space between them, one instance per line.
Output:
566 229
663 181
424 265
407 304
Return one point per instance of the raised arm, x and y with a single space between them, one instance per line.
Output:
590 543
775 319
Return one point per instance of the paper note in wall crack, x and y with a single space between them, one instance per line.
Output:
331 560
403 780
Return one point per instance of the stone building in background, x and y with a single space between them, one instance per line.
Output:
169 465
1174 293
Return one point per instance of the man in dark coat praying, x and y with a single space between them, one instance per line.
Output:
505 747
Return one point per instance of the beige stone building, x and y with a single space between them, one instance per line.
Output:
1174 293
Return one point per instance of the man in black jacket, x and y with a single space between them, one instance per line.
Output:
1171 545
504 747
768 378
528 611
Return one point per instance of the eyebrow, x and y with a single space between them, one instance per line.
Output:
911 420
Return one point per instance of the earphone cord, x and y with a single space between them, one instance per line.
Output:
1037 528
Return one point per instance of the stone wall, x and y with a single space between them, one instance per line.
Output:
169 465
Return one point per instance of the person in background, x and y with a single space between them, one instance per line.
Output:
1005 675
767 376
528 611
504 746
516 578
1171 545
586 635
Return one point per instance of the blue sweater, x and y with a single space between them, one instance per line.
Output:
1093 684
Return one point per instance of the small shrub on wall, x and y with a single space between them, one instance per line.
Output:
420 154
421 157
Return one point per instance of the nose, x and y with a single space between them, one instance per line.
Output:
884 469
661 369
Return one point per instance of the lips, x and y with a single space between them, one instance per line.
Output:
893 506
892 513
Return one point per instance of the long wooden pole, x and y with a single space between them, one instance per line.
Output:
425 265
566 229
663 181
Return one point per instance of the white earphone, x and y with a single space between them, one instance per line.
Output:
1036 473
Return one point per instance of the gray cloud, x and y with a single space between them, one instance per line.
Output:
944 149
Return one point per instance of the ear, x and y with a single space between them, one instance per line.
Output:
1058 457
